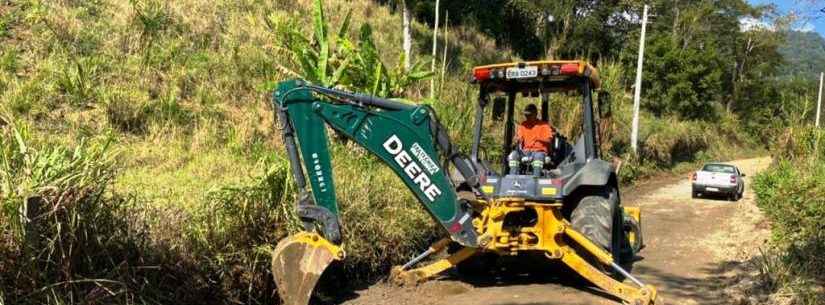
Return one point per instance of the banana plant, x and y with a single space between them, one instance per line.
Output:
341 62
370 74
320 59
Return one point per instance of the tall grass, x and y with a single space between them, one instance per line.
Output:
68 236
791 195
197 191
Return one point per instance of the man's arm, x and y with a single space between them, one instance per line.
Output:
550 132
517 135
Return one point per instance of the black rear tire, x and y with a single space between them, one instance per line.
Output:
600 219
593 217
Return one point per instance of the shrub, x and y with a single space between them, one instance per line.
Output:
126 113
232 235
792 195
70 238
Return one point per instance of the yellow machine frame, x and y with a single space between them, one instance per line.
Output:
549 235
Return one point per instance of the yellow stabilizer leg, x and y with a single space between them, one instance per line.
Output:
634 236
644 295
418 275
298 262
634 212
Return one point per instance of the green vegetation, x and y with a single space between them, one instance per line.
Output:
67 230
193 190
804 53
144 128
791 193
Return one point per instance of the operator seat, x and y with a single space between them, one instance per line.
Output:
559 150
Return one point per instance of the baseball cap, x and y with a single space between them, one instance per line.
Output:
530 109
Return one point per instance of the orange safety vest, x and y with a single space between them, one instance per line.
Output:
535 135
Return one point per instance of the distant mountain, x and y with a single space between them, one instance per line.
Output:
804 54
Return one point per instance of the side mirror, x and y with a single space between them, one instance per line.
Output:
742 175
499 107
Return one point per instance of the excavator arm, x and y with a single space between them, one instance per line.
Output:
408 138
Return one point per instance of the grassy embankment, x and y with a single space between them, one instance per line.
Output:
142 131
792 195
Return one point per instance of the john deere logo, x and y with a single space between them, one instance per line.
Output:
413 170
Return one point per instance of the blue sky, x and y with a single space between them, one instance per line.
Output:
805 8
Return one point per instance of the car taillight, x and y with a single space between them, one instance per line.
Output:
570 69
481 74
693 177
732 179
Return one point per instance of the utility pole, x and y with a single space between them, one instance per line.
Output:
406 28
819 100
435 45
634 136
446 45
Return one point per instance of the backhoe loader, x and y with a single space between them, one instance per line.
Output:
569 211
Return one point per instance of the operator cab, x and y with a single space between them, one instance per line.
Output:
534 178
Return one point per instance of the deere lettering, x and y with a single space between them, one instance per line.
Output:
394 146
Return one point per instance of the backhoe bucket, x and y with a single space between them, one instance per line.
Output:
298 262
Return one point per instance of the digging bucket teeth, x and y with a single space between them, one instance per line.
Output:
298 262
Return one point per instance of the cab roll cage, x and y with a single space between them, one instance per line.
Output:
511 89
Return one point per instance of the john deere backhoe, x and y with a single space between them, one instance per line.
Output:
570 212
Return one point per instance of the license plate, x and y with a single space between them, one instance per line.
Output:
526 72
713 189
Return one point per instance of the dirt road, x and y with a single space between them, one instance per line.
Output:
694 247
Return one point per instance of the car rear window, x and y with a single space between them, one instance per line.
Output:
718 168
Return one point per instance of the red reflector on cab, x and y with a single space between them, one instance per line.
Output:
481 74
570 69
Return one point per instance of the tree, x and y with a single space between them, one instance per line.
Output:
701 57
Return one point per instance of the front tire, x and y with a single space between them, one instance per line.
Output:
634 227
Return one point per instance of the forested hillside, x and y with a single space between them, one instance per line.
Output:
141 163
804 54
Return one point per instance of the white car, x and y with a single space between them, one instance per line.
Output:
719 178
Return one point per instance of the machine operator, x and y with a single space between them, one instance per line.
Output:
534 138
